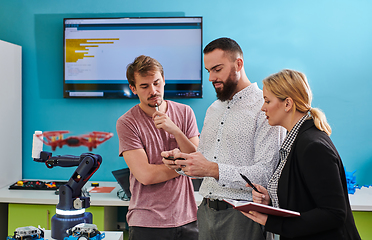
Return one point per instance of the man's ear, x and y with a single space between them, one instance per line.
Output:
133 89
239 64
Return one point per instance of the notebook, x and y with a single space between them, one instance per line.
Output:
247 206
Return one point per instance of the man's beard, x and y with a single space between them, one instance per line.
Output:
153 105
229 86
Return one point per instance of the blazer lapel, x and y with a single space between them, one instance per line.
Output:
286 173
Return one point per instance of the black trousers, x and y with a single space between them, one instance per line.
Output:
217 222
185 232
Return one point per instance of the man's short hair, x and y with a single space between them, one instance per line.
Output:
144 66
227 45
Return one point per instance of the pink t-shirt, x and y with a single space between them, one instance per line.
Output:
167 204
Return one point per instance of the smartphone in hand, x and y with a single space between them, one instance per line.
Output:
172 158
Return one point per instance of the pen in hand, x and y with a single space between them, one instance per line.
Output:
249 182
157 108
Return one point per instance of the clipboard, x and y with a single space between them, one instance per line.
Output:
246 206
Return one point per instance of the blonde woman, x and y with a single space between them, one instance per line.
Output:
310 177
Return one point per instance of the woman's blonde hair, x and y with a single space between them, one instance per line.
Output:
293 84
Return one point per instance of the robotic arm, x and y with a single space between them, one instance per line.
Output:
70 194
70 210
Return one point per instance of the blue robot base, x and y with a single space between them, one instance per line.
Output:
61 223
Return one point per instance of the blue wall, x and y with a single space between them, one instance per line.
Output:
330 41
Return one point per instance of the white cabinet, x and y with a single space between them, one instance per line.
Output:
10 113
10 122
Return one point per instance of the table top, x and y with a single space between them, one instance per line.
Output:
49 196
361 200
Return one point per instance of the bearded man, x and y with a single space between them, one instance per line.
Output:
235 139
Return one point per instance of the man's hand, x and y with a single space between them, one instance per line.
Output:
162 121
196 165
171 163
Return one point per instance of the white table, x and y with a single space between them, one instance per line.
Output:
49 197
361 200
109 201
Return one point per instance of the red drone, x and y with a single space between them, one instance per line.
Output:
92 140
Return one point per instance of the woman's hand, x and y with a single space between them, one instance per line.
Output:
262 197
256 216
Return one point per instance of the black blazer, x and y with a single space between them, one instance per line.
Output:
313 182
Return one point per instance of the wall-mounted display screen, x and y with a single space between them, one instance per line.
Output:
98 50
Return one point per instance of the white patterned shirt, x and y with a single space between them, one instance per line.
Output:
238 137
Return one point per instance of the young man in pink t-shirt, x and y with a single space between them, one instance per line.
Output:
162 205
